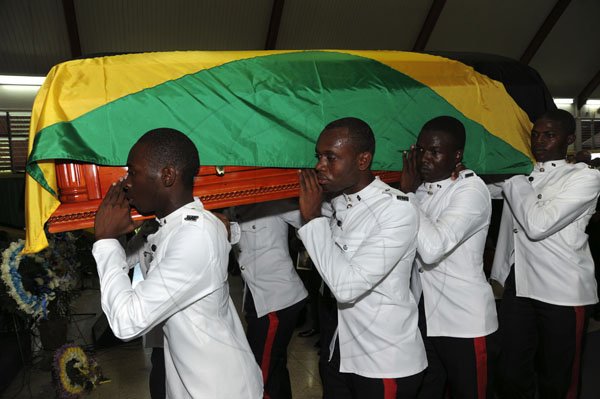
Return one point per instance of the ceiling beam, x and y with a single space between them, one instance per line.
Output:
429 24
72 28
588 90
273 32
544 30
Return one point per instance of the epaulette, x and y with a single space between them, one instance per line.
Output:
470 174
396 194
191 218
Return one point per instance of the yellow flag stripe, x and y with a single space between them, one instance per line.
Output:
107 79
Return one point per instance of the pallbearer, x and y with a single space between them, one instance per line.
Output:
364 252
544 261
206 352
458 312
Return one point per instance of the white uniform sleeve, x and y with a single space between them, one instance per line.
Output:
293 218
468 212
495 190
504 255
541 218
183 276
235 233
383 248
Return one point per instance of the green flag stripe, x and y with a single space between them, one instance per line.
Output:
268 111
34 171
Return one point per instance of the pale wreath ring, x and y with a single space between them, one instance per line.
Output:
34 305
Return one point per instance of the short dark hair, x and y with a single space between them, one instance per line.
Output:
564 119
170 147
360 133
449 125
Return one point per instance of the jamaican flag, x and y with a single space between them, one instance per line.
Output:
260 108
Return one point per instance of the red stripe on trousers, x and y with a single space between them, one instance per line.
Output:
579 322
481 366
389 388
266 357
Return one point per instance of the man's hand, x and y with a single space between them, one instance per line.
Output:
225 220
113 218
411 178
311 195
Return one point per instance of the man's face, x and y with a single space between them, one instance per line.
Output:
437 155
548 140
143 181
337 162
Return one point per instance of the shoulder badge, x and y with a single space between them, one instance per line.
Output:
402 197
191 218
471 174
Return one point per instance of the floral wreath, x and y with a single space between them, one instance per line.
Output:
34 304
74 372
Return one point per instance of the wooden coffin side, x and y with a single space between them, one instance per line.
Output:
82 187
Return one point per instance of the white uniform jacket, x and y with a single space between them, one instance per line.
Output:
364 253
454 217
206 352
264 257
543 233
137 254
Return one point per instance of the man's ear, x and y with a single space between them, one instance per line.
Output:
458 155
168 175
571 138
364 160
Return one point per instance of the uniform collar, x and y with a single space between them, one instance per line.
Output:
176 217
432 188
542 167
346 201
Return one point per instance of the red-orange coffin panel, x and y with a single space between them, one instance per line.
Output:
82 186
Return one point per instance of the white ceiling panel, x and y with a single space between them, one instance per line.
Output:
33 36
156 25
596 93
351 24
570 56
33 33
496 27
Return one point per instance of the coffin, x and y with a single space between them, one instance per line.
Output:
82 187
261 111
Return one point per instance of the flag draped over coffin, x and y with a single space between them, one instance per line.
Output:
260 108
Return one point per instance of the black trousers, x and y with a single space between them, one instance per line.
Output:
312 281
157 374
352 386
328 324
540 342
269 337
458 368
